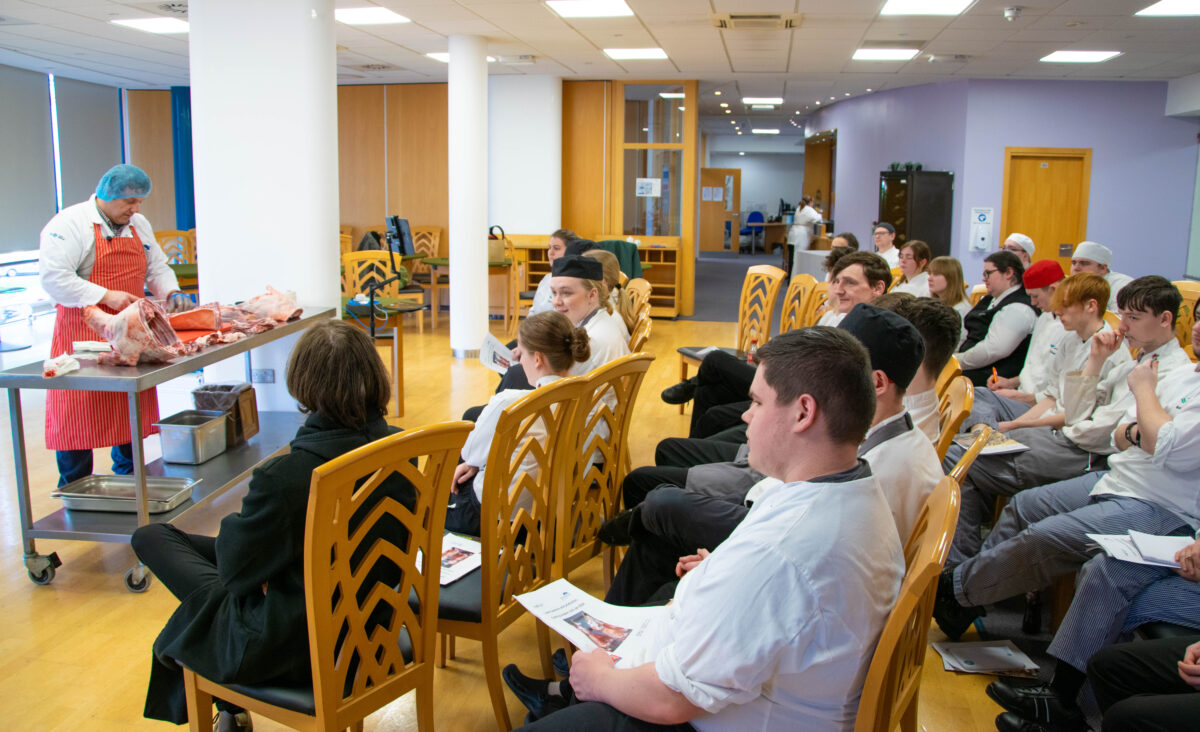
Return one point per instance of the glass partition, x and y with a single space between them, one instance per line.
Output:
654 113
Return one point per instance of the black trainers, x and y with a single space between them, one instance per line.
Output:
618 530
562 664
533 693
1009 722
680 393
951 617
1036 703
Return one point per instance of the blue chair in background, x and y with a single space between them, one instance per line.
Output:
753 227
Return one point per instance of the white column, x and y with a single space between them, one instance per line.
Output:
467 174
264 142
525 154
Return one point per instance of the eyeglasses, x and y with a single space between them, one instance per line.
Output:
881 233
989 272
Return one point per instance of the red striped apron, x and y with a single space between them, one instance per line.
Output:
82 420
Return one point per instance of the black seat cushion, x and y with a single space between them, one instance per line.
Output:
463 599
696 352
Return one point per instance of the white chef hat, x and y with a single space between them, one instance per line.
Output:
1025 242
1091 250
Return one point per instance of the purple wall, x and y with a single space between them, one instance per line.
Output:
1143 163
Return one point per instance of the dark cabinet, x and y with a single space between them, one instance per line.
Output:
920 204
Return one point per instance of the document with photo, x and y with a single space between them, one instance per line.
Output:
589 623
495 355
460 555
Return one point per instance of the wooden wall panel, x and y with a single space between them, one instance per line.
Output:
584 152
361 172
417 152
152 150
818 173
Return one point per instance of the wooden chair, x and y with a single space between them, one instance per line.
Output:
959 471
529 455
641 331
951 371
598 464
179 246
345 243
760 288
512 305
976 294
896 275
893 683
352 572
954 407
427 243
639 292
815 307
799 290
1187 310
1114 320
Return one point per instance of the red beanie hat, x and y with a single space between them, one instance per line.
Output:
1042 273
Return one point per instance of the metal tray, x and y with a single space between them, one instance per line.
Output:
116 493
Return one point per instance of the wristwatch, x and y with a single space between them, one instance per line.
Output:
1129 435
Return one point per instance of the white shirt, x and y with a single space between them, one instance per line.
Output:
1094 406
1115 281
542 297
68 254
831 318
963 308
923 408
917 287
479 443
1171 476
1072 355
604 340
907 468
776 628
892 256
801 231
1006 331
1048 332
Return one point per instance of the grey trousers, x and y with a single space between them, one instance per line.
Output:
1051 457
1042 535
990 408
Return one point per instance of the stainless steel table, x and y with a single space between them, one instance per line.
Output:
217 475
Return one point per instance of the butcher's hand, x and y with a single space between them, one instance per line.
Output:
117 300
177 302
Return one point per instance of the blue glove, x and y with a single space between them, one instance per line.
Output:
177 302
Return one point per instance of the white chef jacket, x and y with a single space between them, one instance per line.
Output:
1004 334
1072 355
604 340
917 287
923 408
831 318
479 443
907 468
776 628
1171 476
542 297
1115 281
1048 332
892 256
68 254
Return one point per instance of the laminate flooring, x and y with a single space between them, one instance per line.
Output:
75 654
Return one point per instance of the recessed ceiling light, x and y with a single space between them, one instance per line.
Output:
445 57
761 131
762 100
741 153
1172 7
589 8
635 54
1079 57
846 94
717 93
733 122
154 25
724 105
367 16
671 95
818 101
868 90
762 106
885 54
728 111
739 132
683 109
924 7
832 98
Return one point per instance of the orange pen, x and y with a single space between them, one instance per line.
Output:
995 376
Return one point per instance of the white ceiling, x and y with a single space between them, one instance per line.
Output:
72 38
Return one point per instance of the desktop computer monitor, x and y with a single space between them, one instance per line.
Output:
399 235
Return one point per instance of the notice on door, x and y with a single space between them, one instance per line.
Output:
648 188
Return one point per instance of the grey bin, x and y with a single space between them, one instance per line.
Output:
193 436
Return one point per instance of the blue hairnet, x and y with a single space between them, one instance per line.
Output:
123 181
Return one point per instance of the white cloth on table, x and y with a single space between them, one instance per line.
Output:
1008 328
67 254
479 443
917 287
800 233
776 628
923 408
542 297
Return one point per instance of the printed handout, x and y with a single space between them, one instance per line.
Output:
590 623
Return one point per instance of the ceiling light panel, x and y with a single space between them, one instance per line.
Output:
1171 7
367 16
589 8
885 54
762 100
154 25
762 131
445 57
1079 57
635 54
924 7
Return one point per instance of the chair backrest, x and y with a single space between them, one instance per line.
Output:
179 246
373 537
959 471
360 269
951 371
427 242
893 681
976 294
596 466
953 409
760 289
755 217
1184 320
345 243
639 292
896 275
641 332
814 306
524 477
794 300
1114 320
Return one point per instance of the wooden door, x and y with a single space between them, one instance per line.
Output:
1046 198
720 201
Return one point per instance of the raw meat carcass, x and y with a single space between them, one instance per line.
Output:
243 321
276 305
140 333
204 317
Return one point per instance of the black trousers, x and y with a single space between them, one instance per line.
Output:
686 452
723 419
1138 687
721 379
597 717
640 481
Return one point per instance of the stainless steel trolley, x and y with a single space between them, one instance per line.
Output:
213 477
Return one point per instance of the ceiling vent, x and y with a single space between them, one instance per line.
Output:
756 21
173 8
376 67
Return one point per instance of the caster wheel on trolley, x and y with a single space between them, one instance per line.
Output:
41 567
137 579
45 577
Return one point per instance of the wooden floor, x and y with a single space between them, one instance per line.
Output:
75 655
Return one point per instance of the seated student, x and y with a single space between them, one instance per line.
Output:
885 237
558 245
1095 258
622 306
795 657
241 617
914 266
1023 247
999 326
1008 398
550 345
836 252
946 284
1150 487
674 521
938 325
844 239
1064 439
